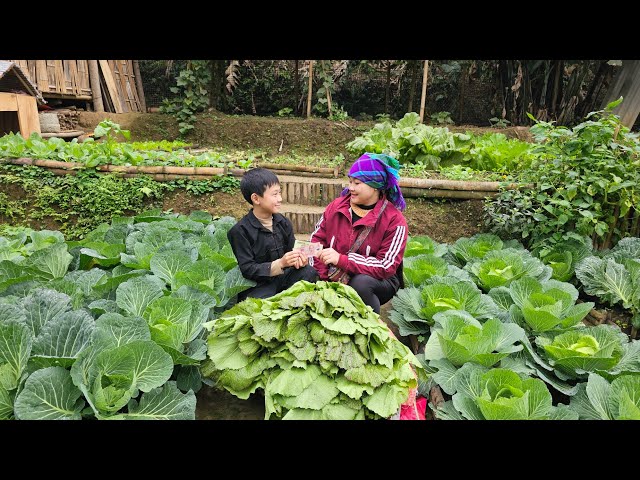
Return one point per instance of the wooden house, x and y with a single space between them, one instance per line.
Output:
19 99
103 85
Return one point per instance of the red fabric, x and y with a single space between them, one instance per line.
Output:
415 406
414 410
379 255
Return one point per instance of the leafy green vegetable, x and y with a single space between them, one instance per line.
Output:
460 338
599 400
500 394
49 394
317 351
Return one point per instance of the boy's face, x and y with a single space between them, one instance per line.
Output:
270 201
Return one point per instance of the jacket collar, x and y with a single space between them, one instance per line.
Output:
253 220
370 219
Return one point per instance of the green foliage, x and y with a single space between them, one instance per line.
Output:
81 202
192 94
501 267
165 145
11 209
453 172
92 153
56 357
265 87
458 172
338 114
432 148
499 122
541 305
564 255
441 118
414 307
110 130
584 182
317 352
614 277
572 355
224 183
499 394
460 338
599 400
285 112
325 93
420 267
467 249
496 153
424 245
590 349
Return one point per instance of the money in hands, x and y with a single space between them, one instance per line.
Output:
311 249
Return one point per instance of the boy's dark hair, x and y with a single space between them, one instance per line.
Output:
257 180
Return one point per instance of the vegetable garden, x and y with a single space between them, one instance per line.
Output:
127 316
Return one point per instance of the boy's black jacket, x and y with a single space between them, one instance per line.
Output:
255 247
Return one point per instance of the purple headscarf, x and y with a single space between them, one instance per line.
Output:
379 171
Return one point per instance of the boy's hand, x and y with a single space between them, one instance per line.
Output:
329 256
290 259
302 262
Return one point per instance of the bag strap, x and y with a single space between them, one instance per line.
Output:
362 236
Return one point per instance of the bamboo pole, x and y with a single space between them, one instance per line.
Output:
94 82
44 163
236 172
310 88
387 87
463 81
136 72
457 184
411 186
240 172
437 193
296 88
300 168
412 86
424 89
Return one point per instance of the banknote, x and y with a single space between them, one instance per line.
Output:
310 249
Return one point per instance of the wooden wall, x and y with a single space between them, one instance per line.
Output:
70 79
19 111
59 78
626 84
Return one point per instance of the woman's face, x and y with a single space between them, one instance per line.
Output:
361 193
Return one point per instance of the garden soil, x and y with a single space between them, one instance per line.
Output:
276 136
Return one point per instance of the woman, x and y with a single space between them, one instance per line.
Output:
364 233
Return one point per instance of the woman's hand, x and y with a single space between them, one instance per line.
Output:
329 256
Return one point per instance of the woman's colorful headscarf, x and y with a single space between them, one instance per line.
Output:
379 171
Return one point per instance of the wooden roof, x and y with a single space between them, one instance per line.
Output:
14 80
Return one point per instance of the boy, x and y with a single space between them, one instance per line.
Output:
263 239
